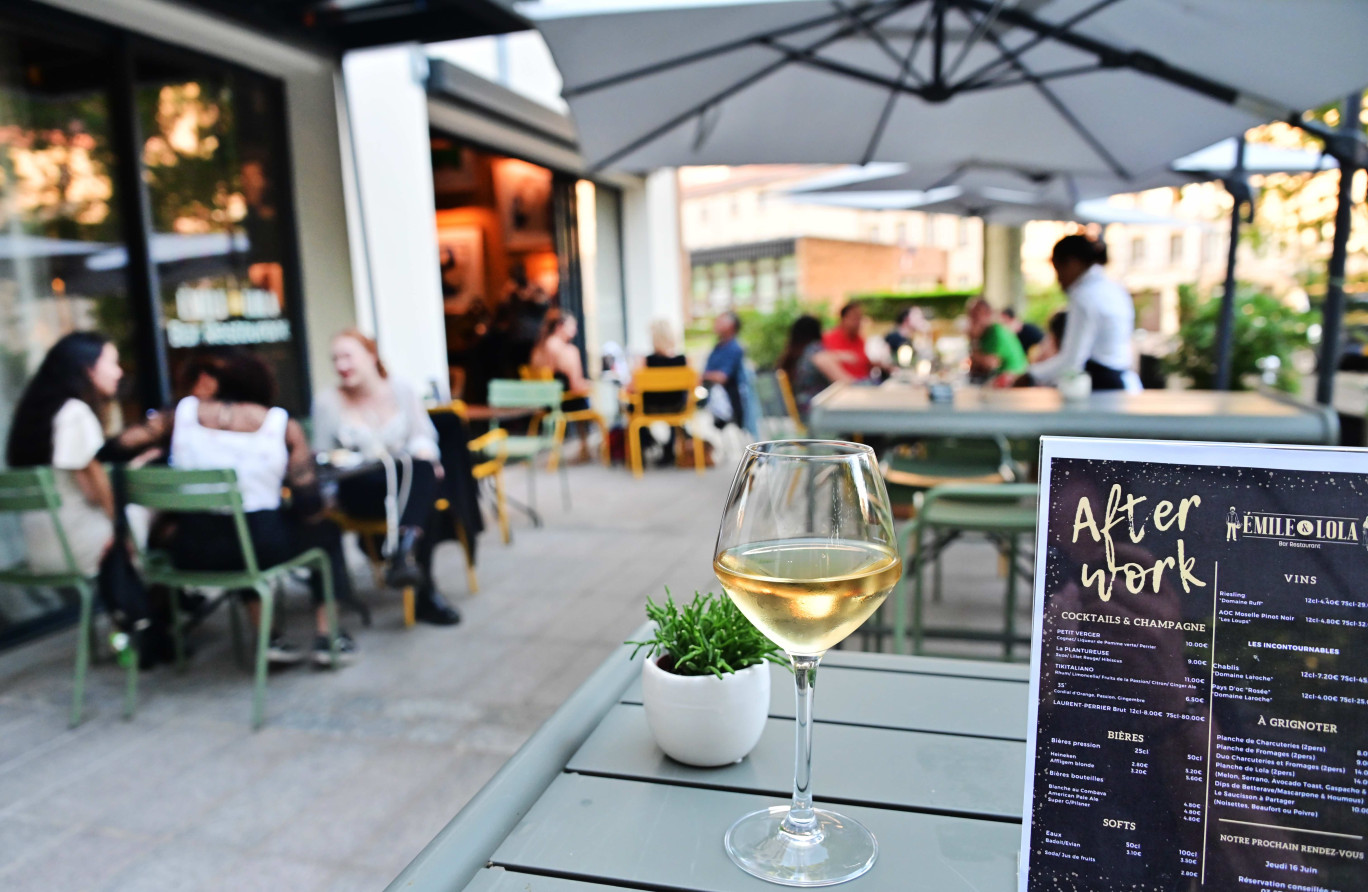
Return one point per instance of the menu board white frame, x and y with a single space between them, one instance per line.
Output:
1223 455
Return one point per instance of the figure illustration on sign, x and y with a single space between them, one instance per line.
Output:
1233 525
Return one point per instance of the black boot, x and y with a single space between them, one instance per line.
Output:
430 607
403 564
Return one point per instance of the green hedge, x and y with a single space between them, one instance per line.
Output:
886 306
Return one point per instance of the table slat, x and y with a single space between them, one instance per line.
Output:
972 777
911 702
857 659
497 879
632 833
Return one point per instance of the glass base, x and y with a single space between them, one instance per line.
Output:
838 848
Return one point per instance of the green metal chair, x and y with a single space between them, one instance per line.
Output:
911 469
1003 512
216 491
545 398
34 489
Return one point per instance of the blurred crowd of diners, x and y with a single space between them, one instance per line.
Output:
373 453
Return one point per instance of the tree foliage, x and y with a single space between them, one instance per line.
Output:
1264 326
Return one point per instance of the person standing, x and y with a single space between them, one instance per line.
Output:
1097 340
996 350
725 368
847 343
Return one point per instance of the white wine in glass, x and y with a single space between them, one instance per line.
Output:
806 551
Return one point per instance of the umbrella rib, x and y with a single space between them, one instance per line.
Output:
922 30
877 136
737 87
1064 112
874 35
974 37
803 56
704 54
1145 63
1039 38
1018 80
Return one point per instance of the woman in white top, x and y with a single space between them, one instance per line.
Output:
57 423
239 428
382 418
1097 339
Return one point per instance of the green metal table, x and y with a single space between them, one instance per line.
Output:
928 753
900 409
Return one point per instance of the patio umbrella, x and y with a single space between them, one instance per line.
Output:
1108 88
1111 87
1001 207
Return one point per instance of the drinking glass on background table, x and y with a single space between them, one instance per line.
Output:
806 551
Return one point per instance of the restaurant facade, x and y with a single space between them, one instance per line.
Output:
176 178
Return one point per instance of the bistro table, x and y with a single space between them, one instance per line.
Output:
900 409
928 753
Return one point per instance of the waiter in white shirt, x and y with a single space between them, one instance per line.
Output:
1101 320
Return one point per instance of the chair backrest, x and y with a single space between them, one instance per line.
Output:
456 407
192 491
666 379
505 393
35 489
985 450
535 373
790 403
28 489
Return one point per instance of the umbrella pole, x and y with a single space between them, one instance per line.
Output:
1332 313
1238 187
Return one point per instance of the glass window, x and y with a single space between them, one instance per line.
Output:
766 283
59 216
214 163
59 212
788 276
1176 248
743 283
1137 251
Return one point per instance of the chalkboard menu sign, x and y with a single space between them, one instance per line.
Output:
1199 716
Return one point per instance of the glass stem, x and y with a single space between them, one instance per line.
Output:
801 821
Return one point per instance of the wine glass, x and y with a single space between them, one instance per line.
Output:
806 551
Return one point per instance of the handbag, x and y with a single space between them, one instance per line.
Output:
119 586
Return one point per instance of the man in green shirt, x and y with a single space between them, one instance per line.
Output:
996 348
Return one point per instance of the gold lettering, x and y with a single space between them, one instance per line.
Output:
1161 515
1083 520
1185 565
1183 506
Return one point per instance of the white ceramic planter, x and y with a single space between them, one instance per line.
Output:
704 720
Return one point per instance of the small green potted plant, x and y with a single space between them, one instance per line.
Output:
704 683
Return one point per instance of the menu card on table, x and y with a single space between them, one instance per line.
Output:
1199 715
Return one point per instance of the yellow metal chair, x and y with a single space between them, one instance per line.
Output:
370 531
790 404
492 447
588 416
669 379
